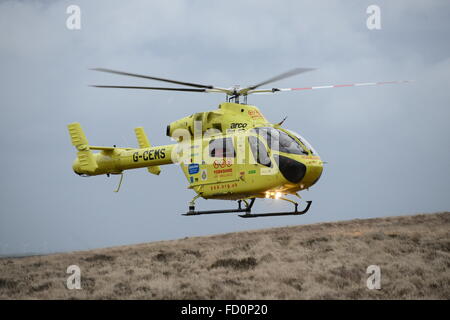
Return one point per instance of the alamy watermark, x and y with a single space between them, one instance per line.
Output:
74 280
374 280
373 21
73 21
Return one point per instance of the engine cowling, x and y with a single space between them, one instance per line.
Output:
229 116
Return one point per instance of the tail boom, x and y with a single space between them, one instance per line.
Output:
112 160
117 160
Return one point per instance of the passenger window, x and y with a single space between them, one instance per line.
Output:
259 151
221 148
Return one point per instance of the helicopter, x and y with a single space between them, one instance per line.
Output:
230 153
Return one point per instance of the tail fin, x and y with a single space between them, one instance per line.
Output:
85 156
144 143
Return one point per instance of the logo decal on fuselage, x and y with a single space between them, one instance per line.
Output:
238 125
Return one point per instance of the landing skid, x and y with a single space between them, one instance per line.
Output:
274 214
247 211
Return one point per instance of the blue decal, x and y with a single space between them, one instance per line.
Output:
192 179
193 168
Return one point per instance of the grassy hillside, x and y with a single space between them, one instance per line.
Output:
320 261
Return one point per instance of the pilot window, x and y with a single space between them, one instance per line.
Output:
259 151
221 148
281 140
304 142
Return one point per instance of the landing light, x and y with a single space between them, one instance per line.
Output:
273 195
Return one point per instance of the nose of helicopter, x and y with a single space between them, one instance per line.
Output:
313 172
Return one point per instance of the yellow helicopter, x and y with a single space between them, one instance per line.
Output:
231 153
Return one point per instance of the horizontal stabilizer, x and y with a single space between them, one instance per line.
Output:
86 159
144 143
77 136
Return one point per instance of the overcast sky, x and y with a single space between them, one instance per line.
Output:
387 147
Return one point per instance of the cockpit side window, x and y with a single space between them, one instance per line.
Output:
304 142
259 151
277 139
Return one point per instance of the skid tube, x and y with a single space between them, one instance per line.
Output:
247 211
274 214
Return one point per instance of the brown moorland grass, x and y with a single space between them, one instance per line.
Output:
319 261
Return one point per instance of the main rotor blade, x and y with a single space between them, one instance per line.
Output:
196 85
273 90
284 75
152 88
